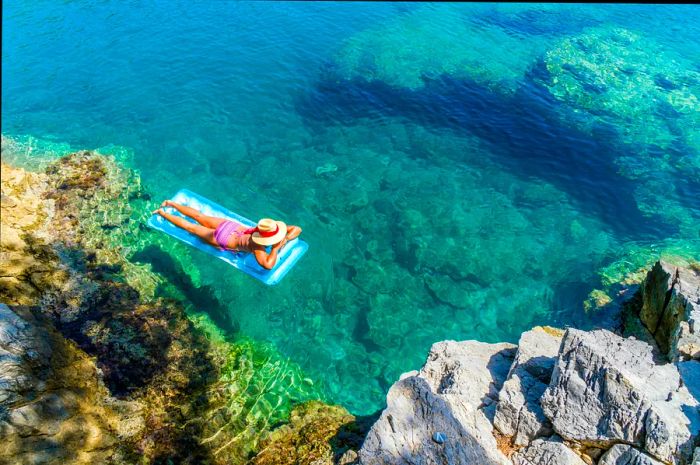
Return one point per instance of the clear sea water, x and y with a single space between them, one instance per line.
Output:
461 171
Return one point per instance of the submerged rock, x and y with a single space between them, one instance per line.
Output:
307 437
519 413
453 394
647 98
671 309
605 68
606 389
413 48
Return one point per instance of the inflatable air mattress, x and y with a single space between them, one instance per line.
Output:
286 258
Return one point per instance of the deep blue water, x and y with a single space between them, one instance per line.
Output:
460 171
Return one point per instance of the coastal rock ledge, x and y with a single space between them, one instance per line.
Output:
559 397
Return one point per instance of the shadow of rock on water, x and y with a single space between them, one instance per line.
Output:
202 297
524 135
145 349
350 436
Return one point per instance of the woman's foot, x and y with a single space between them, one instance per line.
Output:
159 210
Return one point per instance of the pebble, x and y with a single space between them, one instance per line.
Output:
439 437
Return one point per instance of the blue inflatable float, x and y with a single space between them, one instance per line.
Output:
286 258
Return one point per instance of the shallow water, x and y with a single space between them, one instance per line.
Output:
460 171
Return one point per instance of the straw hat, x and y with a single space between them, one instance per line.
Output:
269 232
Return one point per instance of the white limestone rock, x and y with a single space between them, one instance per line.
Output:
622 454
606 389
518 413
442 413
547 452
671 309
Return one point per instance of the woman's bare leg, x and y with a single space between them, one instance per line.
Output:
204 233
199 217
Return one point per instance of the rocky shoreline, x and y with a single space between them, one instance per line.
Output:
94 368
98 367
558 397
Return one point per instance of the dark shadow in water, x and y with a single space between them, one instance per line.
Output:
203 298
526 138
360 332
352 435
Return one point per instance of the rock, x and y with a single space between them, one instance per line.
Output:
606 389
23 352
453 394
52 403
547 452
10 238
350 457
671 309
518 412
307 437
622 454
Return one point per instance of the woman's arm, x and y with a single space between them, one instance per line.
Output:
266 260
293 232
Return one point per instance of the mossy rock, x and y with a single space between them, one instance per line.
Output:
308 437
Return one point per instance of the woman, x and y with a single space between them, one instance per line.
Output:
229 235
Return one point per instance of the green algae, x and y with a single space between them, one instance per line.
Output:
311 437
631 266
651 93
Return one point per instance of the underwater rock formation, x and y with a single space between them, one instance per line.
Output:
598 73
581 397
312 436
436 41
604 69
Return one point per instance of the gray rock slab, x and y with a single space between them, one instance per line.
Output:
518 412
671 309
452 394
606 389
547 452
23 352
622 454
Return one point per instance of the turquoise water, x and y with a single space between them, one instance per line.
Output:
460 171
